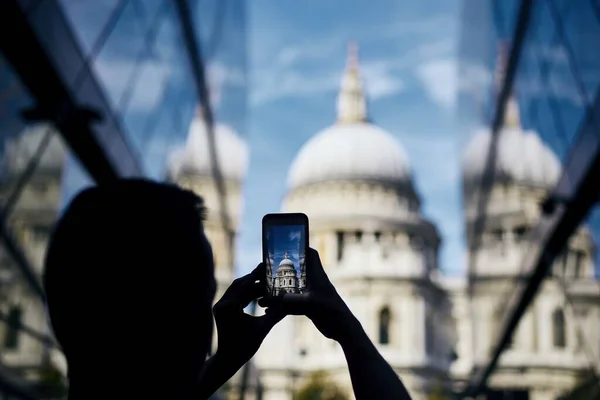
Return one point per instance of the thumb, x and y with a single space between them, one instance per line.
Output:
317 278
271 318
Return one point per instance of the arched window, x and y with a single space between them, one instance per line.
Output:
559 338
579 263
384 326
429 333
11 339
520 233
340 245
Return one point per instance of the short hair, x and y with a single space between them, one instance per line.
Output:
123 265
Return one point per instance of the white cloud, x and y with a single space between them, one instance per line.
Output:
553 87
383 76
380 81
115 75
473 77
430 50
295 235
424 26
220 75
313 51
379 76
439 78
551 53
291 84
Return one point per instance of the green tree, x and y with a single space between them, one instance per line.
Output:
320 387
438 393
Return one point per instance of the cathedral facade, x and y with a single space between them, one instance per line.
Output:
379 251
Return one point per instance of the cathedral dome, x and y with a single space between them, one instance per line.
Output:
194 157
353 148
350 151
521 156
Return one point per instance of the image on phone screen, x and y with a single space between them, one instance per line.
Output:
285 247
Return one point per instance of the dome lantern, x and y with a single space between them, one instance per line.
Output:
351 103
522 157
353 148
512 119
195 156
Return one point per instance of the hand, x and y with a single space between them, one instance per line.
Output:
239 334
322 304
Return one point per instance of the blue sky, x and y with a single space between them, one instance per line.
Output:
285 239
408 59
274 72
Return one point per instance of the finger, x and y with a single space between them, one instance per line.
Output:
295 304
317 278
243 290
259 273
270 319
270 301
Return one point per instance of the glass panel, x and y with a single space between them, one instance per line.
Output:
540 72
153 92
580 29
563 71
558 329
34 185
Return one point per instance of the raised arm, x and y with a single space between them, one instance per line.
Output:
372 377
230 318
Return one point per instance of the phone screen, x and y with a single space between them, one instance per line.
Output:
285 244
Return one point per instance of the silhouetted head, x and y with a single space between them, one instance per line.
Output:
129 281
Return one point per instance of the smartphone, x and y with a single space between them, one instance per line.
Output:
285 246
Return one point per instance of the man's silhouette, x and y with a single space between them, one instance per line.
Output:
130 283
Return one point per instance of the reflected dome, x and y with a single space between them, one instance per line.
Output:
194 157
522 157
